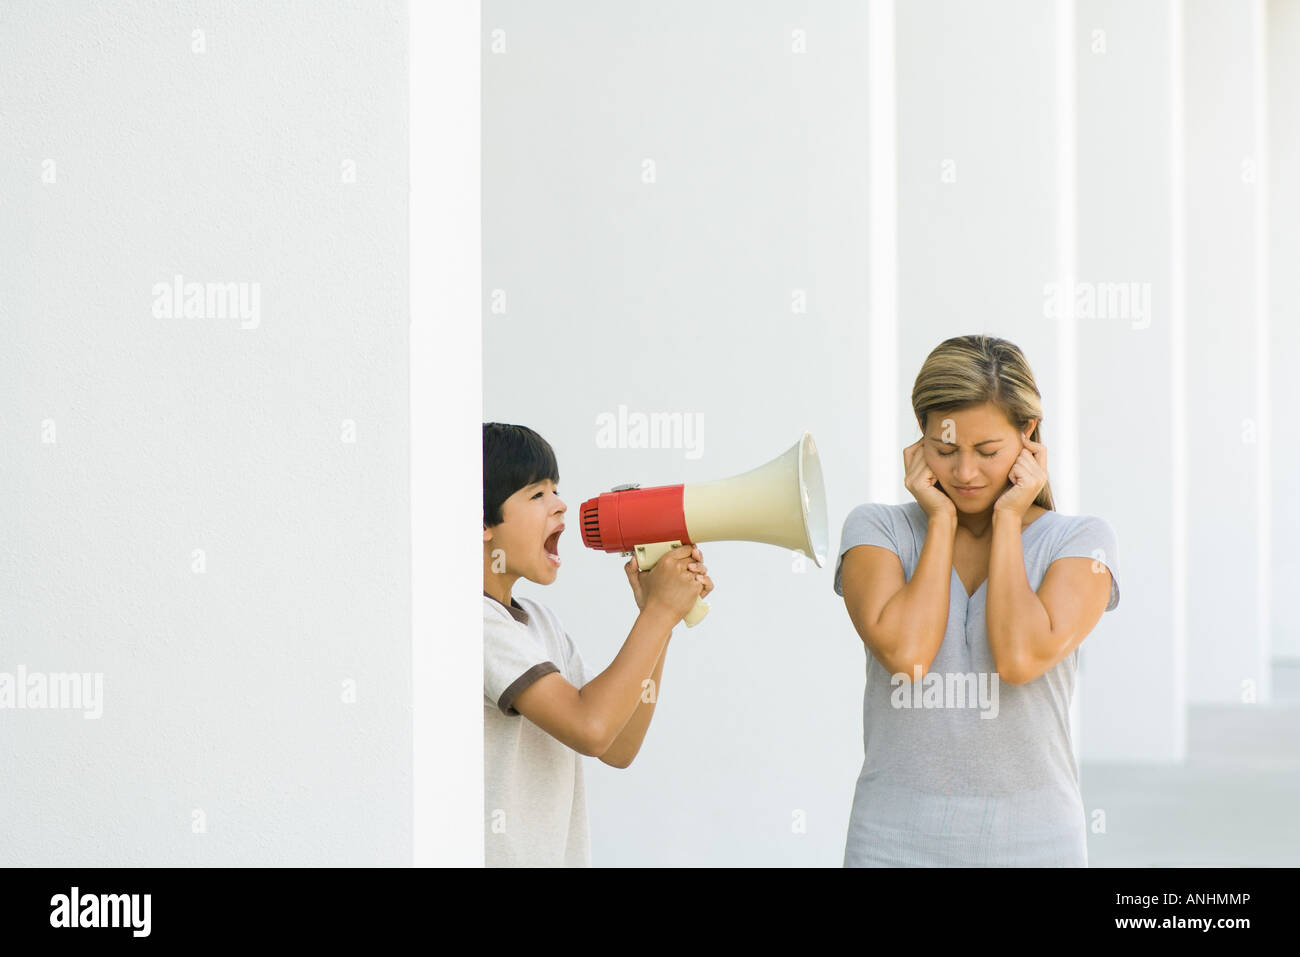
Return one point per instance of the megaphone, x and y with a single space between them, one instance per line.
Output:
782 503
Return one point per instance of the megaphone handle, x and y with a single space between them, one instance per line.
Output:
696 614
648 555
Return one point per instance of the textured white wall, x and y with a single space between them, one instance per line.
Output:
131 440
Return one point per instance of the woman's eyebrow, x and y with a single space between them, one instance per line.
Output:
942 442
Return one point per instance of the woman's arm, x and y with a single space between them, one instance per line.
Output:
1030 633
902 622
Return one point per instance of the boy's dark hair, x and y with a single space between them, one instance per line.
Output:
514 456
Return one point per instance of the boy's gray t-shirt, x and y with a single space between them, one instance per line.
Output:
534 799
941 785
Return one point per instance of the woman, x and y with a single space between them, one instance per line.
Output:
972 601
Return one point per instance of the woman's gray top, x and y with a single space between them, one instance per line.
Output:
963 769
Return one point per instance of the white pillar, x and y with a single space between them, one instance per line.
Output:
986 202
1226 395
886 474
1283 115
1131 394
445 377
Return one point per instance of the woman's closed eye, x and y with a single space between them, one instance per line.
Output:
987 455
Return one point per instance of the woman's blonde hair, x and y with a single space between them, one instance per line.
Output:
968 371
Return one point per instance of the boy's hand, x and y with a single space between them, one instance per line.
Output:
676 581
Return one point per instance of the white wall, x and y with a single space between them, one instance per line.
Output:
222 691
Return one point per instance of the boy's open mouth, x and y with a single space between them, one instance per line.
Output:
552 546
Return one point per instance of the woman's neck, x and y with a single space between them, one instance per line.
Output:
979 525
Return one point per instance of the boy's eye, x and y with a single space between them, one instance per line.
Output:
987 455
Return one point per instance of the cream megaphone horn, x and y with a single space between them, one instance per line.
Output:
782 503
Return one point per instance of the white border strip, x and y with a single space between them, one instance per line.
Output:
446 380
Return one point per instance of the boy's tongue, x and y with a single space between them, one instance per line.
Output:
552 547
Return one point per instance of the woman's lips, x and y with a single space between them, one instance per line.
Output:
968 491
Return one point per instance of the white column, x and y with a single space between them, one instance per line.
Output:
986 202
977 180
446 388
1128 322
1283 289
1227 408
886 474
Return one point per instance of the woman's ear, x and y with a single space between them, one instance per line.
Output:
1030 427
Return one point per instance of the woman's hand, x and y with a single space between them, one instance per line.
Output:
1027 477
921 482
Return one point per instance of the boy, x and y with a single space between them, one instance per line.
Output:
542 706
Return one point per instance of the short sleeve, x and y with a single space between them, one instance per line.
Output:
577 665
867 524
1093 537
512 660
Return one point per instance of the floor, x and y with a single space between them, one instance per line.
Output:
1233 803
